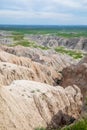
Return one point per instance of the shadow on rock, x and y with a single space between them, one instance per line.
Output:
60 120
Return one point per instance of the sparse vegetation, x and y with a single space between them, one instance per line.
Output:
33 91
30 44
18 37
40 128
43 47
25 43
73 53
38 90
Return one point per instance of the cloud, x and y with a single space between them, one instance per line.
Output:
43 11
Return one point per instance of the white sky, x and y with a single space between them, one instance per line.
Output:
53 12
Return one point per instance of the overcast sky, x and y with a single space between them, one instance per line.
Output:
43 12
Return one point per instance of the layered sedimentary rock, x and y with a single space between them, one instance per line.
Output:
10 72
13 67
16 63
54 41
26 105
48 58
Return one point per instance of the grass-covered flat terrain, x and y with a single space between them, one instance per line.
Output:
64 31
69 34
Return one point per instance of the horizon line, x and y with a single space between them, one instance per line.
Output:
42 25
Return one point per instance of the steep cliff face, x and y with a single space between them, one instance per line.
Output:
76 74
26 105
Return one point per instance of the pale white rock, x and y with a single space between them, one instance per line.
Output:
26 105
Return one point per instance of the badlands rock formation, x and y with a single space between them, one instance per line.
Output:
76 74
54 41
13 68
19 66
48 58
26 105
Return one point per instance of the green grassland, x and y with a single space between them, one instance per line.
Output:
66 34
73 53
72 35
63 31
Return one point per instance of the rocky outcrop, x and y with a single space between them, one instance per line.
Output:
10 72
14 67
26 105
76 74
48 58
54 41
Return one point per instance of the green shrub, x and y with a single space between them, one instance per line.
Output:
43 47
18 37
33 91
80 125
40 128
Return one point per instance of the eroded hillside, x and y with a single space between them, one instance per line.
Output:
33 64
26 103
